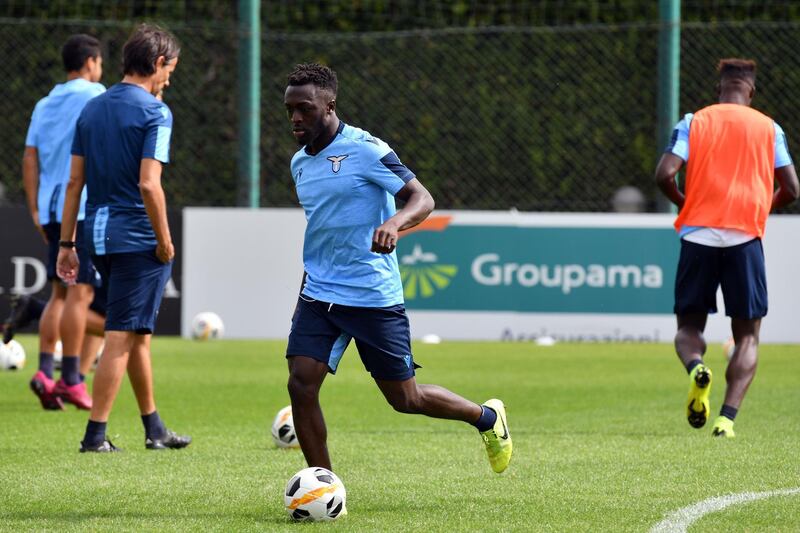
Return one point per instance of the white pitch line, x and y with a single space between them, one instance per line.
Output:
680 520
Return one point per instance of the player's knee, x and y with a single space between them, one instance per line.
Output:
302 391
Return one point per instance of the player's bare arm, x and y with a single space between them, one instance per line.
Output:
419 204
30 182
155 203
788 187
667 169
67 264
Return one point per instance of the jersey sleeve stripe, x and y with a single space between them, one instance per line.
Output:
99 230
162 144
392 162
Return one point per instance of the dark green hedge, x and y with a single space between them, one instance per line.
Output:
551 117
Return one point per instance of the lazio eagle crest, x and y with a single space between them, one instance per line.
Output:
336 162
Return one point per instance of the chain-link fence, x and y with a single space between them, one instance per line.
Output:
202 97
537 118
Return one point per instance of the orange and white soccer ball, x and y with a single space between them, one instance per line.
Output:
206 326
283 429
315 494
728 347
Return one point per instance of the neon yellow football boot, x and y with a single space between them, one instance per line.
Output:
723 427
498 439
697 407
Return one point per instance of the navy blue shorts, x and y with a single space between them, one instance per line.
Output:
739 269
322 331
98 304
135 283
86 271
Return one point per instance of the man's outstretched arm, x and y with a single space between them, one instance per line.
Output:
419 204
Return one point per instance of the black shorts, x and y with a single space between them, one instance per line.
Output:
739 269
323 331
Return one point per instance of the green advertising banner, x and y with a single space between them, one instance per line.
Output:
539 269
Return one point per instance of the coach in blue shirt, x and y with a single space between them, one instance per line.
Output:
121 142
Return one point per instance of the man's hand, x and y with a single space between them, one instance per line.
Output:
165 252
67 265
384 240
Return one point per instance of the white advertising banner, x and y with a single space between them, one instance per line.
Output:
245 265
481 275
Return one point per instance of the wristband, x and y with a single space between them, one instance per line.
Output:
66 244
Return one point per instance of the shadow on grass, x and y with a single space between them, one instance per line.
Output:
23 519
268 522
80 516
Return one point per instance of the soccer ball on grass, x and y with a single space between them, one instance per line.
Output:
12 355
58 355
207 325
315 494
728 347
283 429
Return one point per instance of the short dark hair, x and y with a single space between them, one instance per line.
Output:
77 50
144 46
737 69
319 75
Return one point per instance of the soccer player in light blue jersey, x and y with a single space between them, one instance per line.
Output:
347 181
46 163
121 142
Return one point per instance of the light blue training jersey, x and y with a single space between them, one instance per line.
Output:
347 190
50 132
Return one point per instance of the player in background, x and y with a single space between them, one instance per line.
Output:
27 309
23 310
347 181
734 154
45 171
121 141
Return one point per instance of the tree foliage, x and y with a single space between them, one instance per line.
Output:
538 105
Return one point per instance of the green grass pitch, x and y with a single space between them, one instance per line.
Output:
600 444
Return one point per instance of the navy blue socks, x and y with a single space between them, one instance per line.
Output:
728 412
46 363
95 434
487 419
153 426
690 366
70 372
